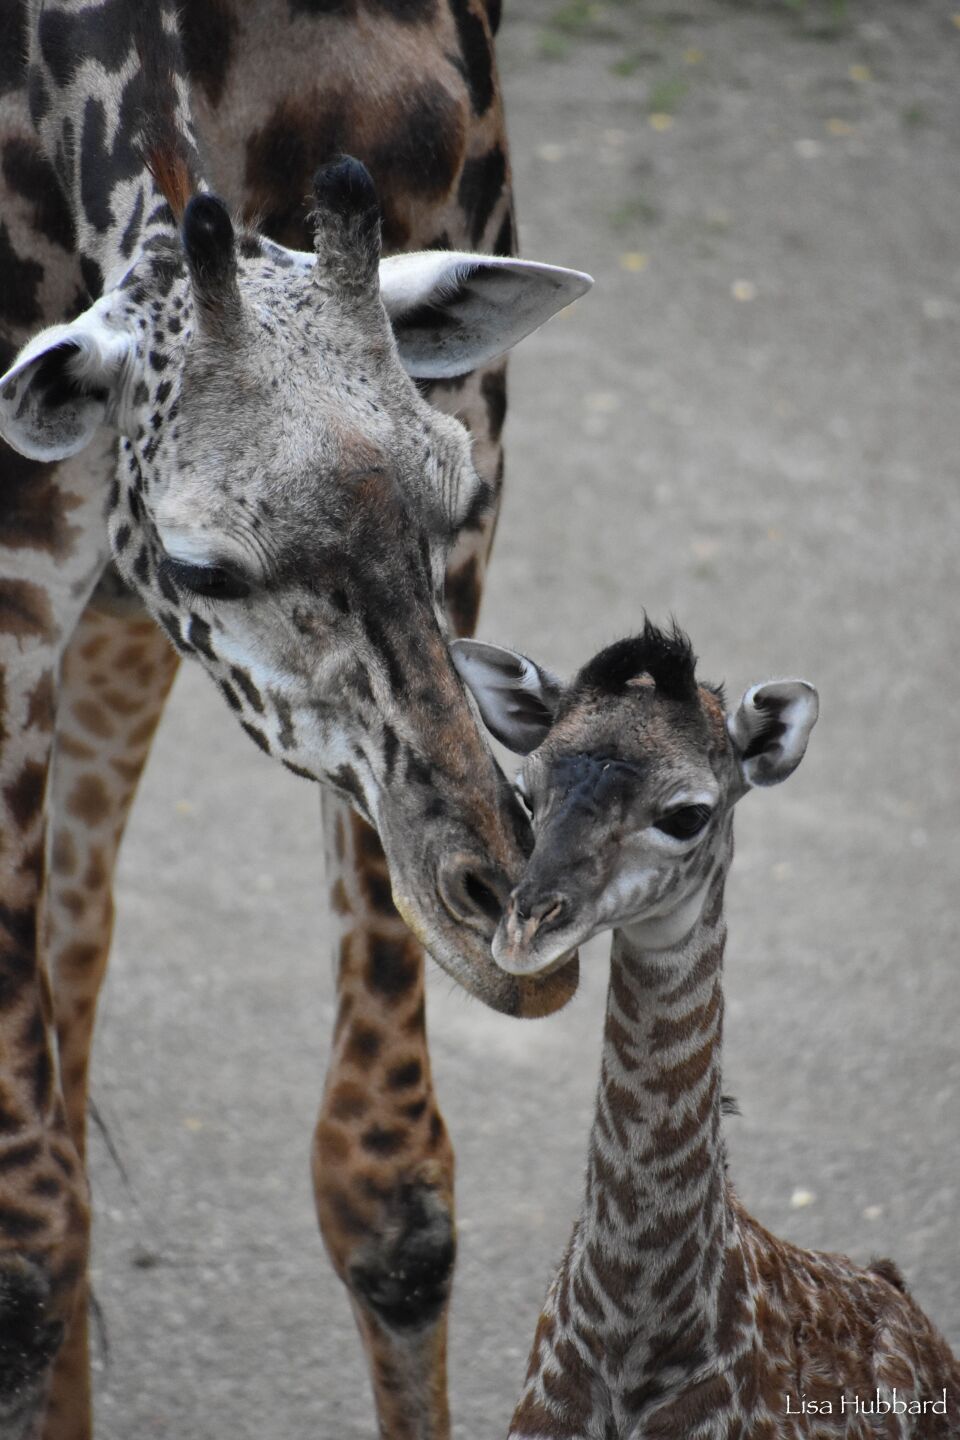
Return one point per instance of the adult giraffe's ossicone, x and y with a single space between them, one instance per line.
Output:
236 425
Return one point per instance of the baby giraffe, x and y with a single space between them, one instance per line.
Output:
674 1314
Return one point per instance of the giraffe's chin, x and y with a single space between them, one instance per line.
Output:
538 972
528 997
551 989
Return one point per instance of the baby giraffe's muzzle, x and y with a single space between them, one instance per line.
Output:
528 921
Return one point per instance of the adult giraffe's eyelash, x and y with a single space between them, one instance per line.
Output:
212 582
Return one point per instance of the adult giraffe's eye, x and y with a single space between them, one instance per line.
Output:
684 822
213 582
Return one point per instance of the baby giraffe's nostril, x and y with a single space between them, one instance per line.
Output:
473 893
542 914
555 913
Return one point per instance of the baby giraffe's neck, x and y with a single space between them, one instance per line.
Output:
656 1253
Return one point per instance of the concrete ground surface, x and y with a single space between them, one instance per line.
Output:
752 423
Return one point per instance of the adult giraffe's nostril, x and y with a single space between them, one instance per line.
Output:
473 893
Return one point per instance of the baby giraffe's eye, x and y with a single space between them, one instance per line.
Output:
684 822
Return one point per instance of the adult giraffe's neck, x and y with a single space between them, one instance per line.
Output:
107 92
652 1243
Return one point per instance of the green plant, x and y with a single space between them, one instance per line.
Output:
553 46
636 210
915 115
821 19
665 96
581 17
633 61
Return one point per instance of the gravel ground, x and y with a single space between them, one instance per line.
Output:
751 423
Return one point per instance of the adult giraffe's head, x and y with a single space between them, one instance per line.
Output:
631 776
284 502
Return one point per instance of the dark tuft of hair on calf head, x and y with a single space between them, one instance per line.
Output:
888 1271
665 655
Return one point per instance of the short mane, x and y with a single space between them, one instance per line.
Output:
665 655
167 152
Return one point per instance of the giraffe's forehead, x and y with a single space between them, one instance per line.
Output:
655 735
237 436
289 342
283 489
253 415
285 425
301 405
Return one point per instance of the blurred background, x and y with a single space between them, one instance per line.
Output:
751 423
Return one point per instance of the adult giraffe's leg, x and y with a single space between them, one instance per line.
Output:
383 1164
51 544
115 676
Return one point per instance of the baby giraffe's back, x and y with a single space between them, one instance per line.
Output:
819 1346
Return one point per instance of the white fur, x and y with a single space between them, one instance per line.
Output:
662 932
798 708
189 546
495 301
490 674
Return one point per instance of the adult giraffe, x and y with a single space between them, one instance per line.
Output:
238 418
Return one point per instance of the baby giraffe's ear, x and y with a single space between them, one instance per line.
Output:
771 727
516 698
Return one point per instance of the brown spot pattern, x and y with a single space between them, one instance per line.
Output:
209 30
25 611
91 717
462 596
35 508
40 704
89 800
24 796
413 151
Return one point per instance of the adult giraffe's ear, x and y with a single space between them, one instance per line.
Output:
516 698
771 727
65 383
452 312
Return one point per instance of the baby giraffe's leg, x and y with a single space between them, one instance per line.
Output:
383 1164
116 675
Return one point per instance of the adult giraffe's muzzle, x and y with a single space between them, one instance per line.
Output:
458 932
456 850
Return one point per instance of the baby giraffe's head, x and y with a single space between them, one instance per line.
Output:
631 776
